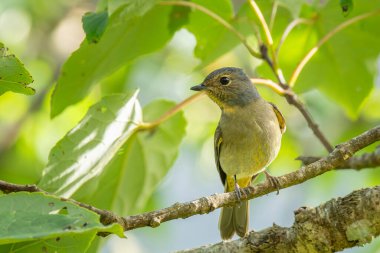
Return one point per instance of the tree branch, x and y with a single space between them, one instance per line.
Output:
207 204
170 113
367 160
333 226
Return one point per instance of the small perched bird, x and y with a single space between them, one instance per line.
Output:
246 141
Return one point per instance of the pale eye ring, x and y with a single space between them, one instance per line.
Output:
224 80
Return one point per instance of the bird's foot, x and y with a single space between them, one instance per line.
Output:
273 181
238 191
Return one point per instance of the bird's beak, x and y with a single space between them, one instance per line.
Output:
198 87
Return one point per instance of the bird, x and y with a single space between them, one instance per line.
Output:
246 140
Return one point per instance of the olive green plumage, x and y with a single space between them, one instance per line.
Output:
247 139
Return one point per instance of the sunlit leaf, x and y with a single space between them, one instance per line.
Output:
34 222
85 151
343 68
13 75
129 180
131 7
126 38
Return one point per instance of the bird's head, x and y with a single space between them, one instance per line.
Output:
228 87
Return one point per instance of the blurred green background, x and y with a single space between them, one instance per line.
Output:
44 33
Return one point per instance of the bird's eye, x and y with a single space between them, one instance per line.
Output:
224 80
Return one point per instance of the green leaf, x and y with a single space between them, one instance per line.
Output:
94 25
294 6
131 7
213 40
344 68
71 243
13 75
131 178
179 16
32 222
85 151
125 39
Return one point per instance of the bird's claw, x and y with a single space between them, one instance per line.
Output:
237 191
273 181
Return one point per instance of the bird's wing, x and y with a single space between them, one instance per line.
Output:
218 140
280 118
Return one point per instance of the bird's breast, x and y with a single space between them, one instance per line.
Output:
250 142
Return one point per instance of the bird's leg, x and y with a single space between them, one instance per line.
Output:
273 181
237 189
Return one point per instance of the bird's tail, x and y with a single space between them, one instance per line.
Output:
234 219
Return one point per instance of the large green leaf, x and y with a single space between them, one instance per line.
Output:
85 151
125 38
70 243
129 180
213 40
35 222
13 75
344 68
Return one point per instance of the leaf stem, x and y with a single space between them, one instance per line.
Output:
312 51
270 84
269 44
170 113
273 15
219 19
263 23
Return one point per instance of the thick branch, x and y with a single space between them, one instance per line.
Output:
333 226
207 204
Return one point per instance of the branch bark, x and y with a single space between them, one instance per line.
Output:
333 226
207 204
367 160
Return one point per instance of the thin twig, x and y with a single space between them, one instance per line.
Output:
293 100
312 51
207 204
288 29
106 217
270 84
273 15
268 36
217 18
170 113
268 42
290 96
